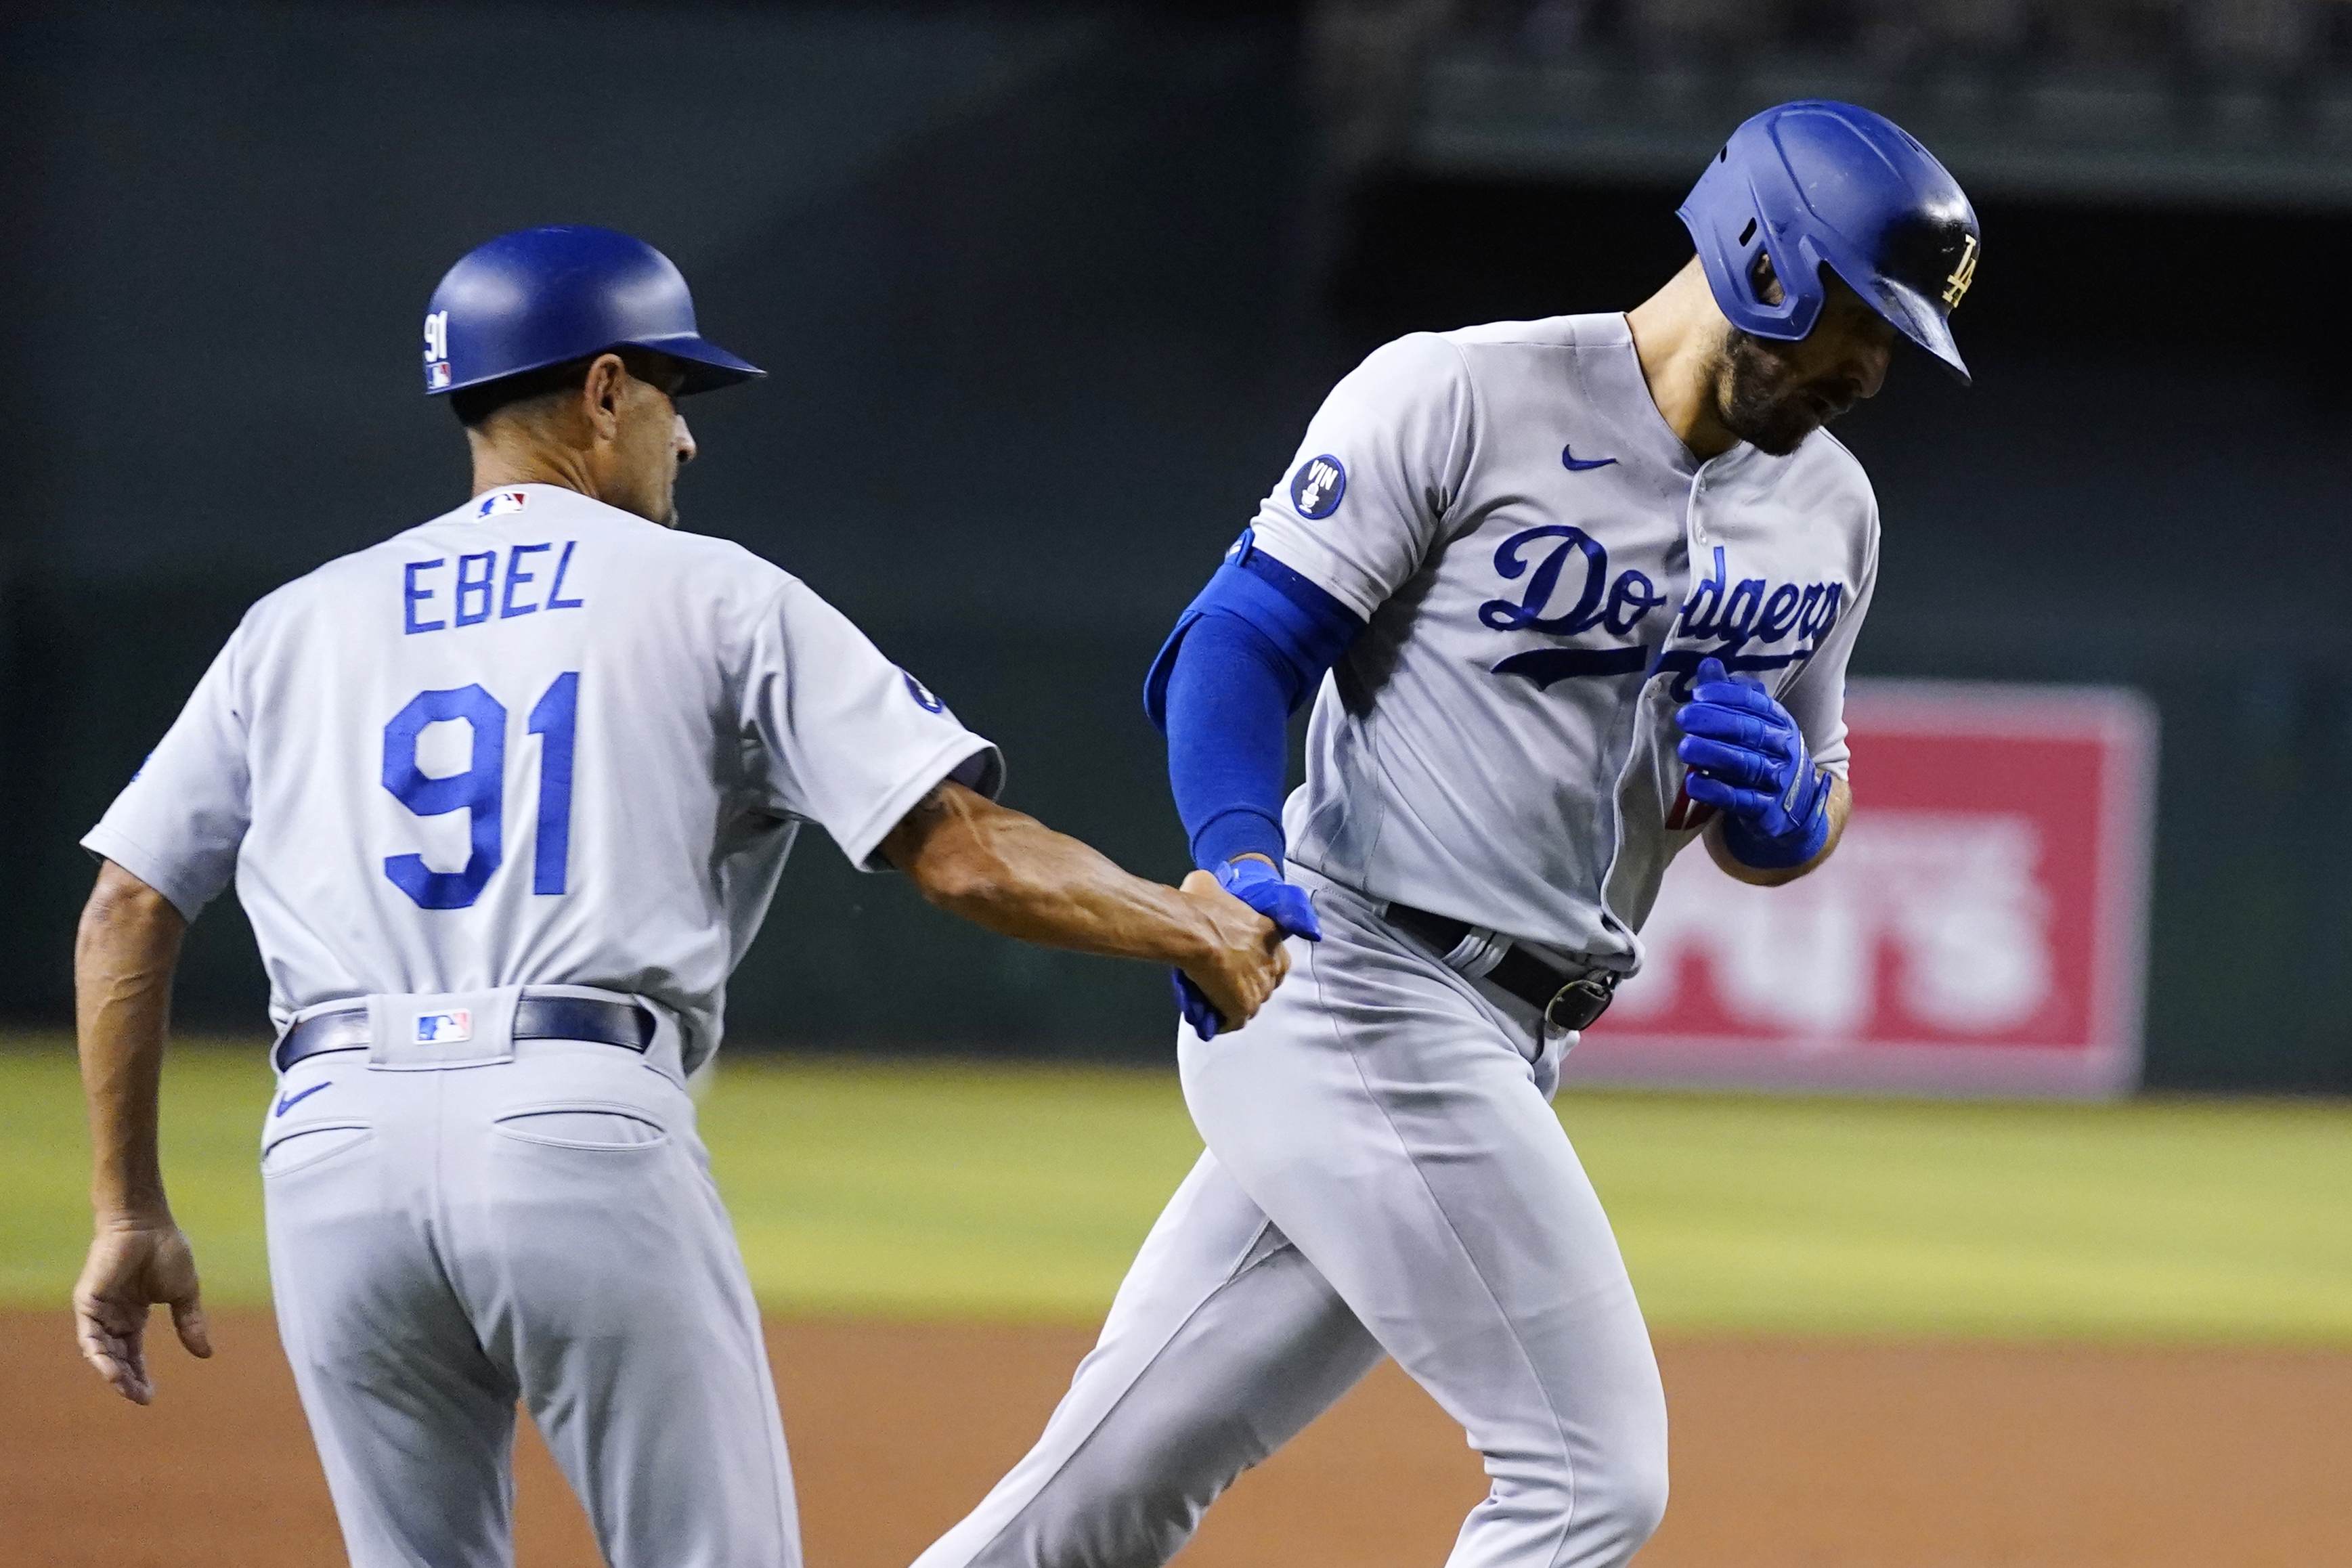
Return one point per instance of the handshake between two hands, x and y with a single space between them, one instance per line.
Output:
1260 886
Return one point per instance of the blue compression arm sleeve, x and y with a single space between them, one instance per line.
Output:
1228 697
1243 656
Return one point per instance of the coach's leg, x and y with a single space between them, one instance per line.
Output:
1405 1147
414 1425
1221 1343
601 1267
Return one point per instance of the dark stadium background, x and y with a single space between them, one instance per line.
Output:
1048 293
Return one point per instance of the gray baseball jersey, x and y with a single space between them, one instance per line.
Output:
536 741
1542 564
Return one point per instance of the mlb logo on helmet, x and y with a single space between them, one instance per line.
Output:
436 352
443 1029
504 501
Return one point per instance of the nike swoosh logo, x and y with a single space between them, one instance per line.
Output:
287 1102
1576 465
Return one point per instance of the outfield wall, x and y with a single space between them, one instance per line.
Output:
1050 294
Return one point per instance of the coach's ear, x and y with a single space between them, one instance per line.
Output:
600 394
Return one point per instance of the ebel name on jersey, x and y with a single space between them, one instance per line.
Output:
434 597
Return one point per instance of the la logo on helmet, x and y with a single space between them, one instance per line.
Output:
1956 287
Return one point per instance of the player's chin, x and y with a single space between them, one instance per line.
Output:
1793 421
1779 438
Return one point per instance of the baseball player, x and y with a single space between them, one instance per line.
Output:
1571 594
505 797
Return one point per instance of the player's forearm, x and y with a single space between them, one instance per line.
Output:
1013 875
124 953
1841 803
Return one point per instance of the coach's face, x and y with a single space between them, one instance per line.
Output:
642 436
1773 395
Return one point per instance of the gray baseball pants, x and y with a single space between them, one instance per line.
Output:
1384 1175
445 1243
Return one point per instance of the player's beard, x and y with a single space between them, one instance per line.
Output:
1758 400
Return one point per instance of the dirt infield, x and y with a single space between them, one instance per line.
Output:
1824 1455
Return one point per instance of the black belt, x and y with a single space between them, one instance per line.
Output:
622 1023
1567 998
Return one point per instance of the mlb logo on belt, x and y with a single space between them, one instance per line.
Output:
504 501
443 1029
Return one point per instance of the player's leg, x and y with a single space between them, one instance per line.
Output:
414 1425
1221 1344
600 1267
1393 1123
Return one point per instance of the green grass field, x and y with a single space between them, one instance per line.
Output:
925 1190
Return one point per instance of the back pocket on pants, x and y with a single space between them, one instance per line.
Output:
309 1145
582 1127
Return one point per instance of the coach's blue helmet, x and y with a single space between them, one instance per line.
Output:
1817 183
540 297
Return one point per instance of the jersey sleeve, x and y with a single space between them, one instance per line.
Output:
1365 498
852 742
1816 699
178 825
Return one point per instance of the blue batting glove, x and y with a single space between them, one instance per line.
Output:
1747 760
1261 887
1194 1006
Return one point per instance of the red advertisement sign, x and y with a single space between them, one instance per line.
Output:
1980 929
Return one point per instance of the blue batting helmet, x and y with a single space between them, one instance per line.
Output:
1816 183
539 297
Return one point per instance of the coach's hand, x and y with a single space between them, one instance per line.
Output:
130 1267
1254 881
1747 759
1241 963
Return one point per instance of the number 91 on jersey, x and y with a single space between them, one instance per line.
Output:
480 789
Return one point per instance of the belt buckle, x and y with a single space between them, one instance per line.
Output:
1579 1002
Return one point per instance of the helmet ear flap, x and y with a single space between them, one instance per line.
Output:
1796 271
1728 221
